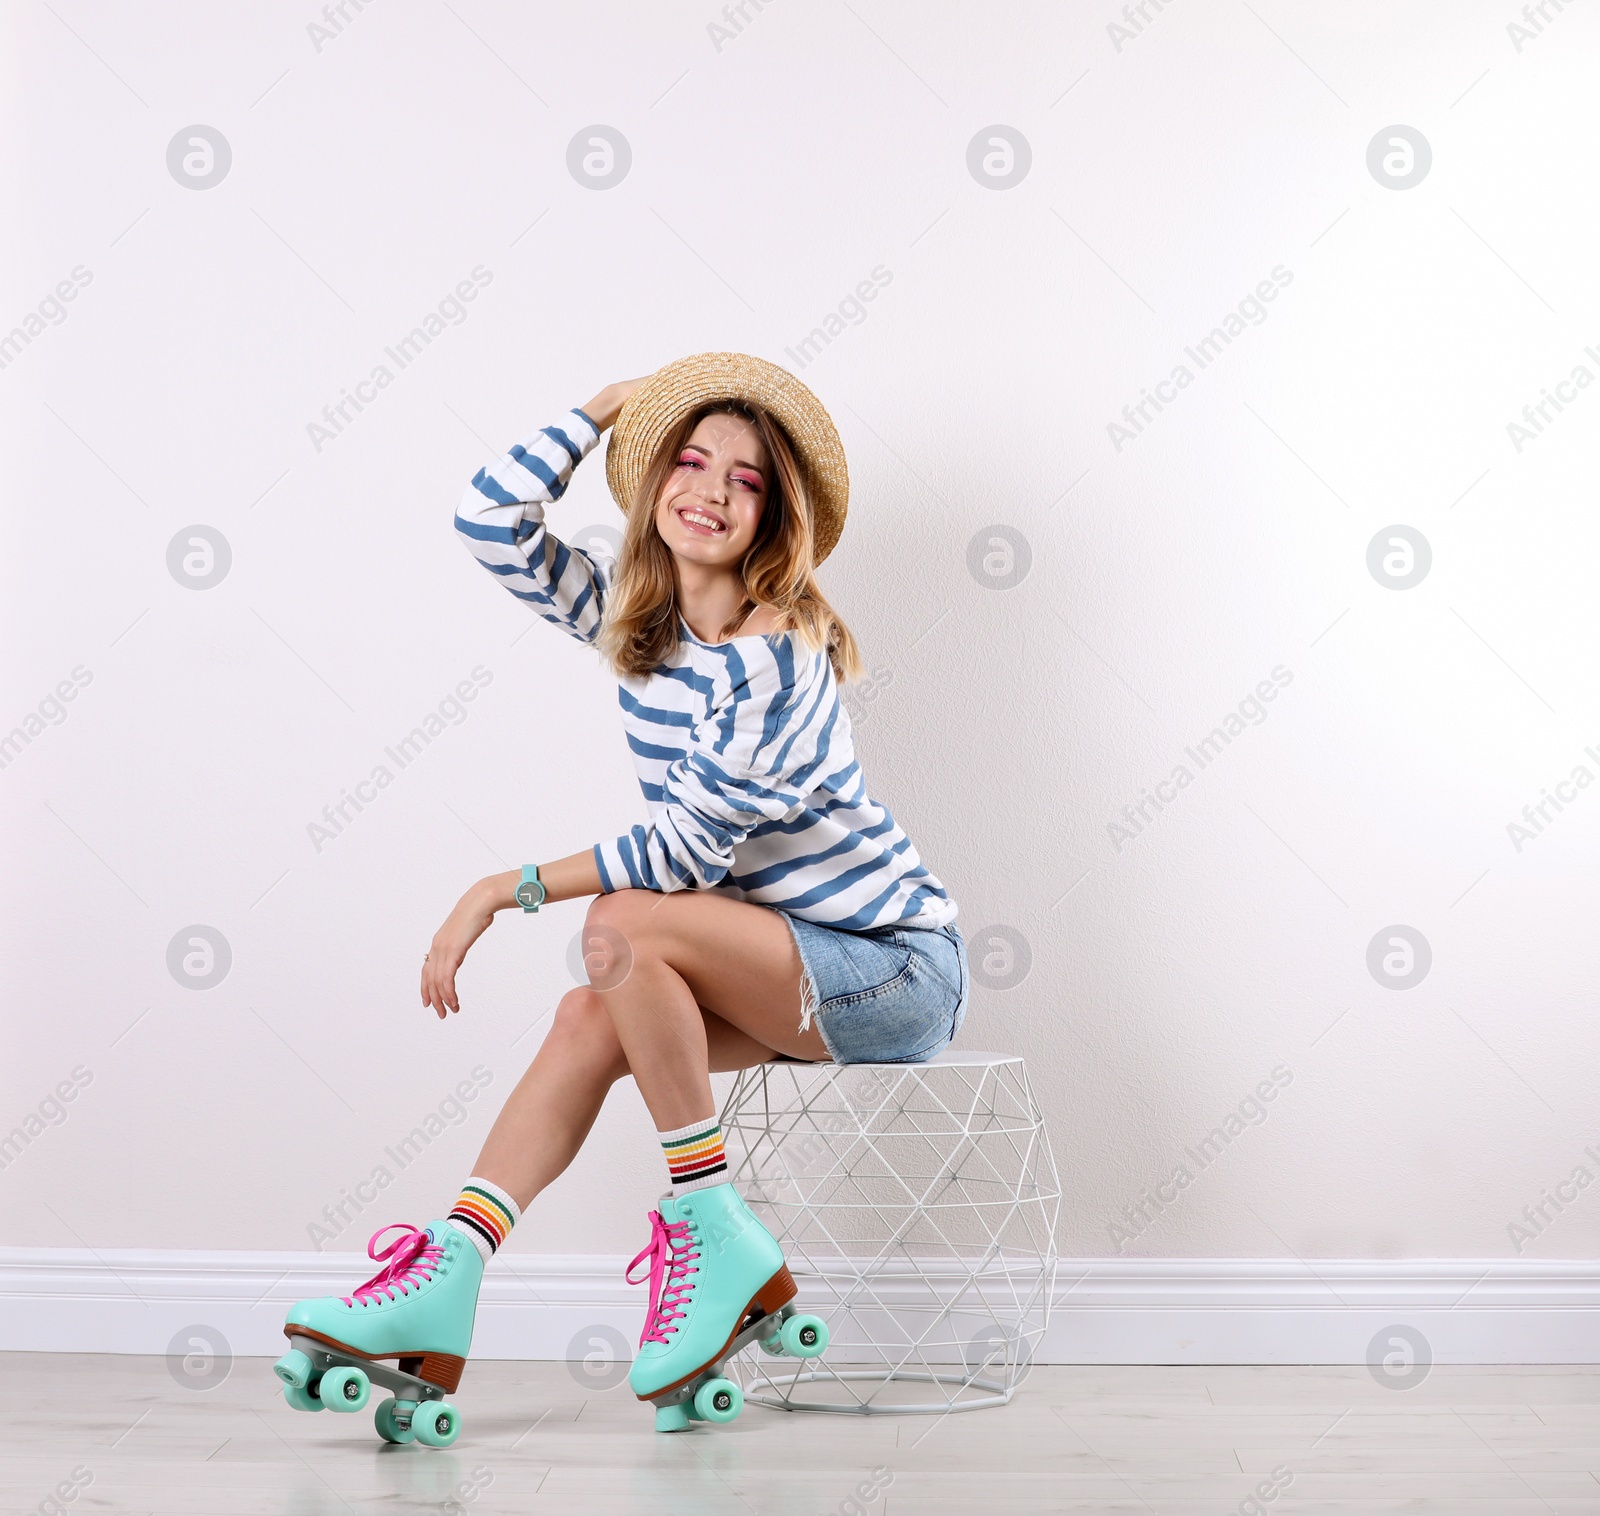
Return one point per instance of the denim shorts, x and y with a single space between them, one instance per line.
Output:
893 994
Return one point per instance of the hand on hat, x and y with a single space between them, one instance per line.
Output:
603 409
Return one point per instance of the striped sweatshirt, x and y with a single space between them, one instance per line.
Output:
742 748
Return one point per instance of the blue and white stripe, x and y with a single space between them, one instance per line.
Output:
742 748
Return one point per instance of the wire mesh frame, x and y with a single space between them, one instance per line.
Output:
916 1205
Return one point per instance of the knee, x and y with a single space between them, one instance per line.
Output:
624 911
583 1024
618 928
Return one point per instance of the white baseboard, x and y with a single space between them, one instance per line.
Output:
1106 1311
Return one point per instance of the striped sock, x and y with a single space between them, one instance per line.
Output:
486 1214
695 1157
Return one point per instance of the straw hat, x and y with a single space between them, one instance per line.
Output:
679 387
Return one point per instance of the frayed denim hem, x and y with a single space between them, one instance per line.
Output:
808 987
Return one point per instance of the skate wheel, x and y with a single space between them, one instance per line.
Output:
301 1398
387 1420
804 1336
718 1400
436 1424
294 1369
345 1389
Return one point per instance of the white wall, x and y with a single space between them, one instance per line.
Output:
1169 176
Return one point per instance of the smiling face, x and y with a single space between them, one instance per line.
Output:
710 504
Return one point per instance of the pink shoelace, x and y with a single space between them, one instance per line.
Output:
671 1254
410 1259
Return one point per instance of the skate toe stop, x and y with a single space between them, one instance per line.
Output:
672 1418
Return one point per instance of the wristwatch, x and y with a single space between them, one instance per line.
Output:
531 892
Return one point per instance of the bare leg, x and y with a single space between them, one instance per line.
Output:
694 957
547 1117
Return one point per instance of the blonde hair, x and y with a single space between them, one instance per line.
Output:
639 627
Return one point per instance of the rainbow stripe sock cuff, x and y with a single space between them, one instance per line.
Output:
695 1156
486 1214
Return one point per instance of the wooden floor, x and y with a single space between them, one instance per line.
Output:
1167 1441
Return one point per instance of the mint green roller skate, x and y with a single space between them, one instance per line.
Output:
418 1309
718 1282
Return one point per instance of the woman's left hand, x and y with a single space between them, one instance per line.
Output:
465 925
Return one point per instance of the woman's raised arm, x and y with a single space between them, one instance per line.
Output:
603 409
500 519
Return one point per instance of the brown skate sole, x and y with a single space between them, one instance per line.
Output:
442 1369
776 1293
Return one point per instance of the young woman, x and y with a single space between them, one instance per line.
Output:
770 908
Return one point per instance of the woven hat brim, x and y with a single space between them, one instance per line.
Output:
681 386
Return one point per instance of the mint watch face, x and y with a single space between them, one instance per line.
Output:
530 893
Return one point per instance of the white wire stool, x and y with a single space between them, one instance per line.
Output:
916 1204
